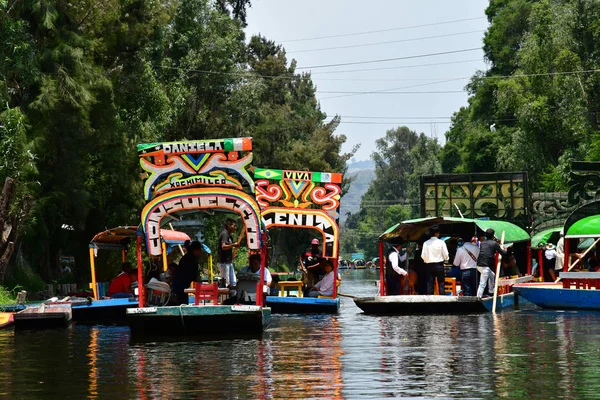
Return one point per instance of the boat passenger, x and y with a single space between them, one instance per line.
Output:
187 272
120 287
393 270
487 254
254 268
434 254
549 263
466 259
326 285
225 252
310 263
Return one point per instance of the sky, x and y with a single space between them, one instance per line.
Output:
417 29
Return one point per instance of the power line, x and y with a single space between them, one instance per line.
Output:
353 46
394 123
381 117
391 59
382 30
389 92
397 67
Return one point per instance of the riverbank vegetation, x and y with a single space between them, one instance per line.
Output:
82 82
536 109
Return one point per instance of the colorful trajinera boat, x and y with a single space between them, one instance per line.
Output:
305 200
190 177
413 231
574 290
109 311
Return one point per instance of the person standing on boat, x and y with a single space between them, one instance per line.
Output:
225 252
393 270
560 254
187 272
434 254
310 263
487 256
466 259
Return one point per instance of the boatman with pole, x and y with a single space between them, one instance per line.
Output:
434 254
393 271
487 255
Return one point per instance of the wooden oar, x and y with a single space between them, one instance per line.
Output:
497 276
348 295
242 234
580 258
180 248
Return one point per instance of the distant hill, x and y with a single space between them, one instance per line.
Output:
364 173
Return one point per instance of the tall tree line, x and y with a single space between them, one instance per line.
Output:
535 109
82 82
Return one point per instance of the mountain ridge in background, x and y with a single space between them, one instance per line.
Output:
364 173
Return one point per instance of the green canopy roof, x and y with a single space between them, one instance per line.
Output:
545 236
585 227
415 228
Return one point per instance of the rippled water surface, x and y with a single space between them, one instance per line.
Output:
524 354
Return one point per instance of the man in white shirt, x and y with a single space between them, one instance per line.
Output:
254 268
466 259
434 254
560 255
393 270
325 286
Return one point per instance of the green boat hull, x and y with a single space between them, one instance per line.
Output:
198 320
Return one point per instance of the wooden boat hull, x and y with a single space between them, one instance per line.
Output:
198 320
555 297
109 311
6 319
302 305
408 305
44 317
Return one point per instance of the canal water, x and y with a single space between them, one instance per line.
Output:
522 354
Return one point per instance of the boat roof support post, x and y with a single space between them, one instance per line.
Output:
93 273
567 255
529 257
140 265
381 270
260 297
541 263
164 256
123 255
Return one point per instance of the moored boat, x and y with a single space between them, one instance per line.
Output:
44 316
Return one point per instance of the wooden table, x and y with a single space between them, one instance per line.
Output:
287 286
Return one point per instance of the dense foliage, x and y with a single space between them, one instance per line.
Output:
82 82
535 109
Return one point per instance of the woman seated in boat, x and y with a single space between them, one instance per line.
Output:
326 285
509 265
120 287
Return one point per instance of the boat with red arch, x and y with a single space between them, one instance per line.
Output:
183 178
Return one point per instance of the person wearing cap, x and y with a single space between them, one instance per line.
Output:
187 272
466 259
326 285
310 262
549 263
434 254
393 271
487 256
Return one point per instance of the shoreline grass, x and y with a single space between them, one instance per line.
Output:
7 296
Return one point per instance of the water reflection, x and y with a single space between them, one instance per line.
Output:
526 354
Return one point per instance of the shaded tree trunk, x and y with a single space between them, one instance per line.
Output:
10 223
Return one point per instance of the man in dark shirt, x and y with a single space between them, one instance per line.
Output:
487 256
225 252
187 272
310 263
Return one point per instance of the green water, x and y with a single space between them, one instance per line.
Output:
524 354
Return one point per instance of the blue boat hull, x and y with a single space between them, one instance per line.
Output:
109 311
560 299
303 305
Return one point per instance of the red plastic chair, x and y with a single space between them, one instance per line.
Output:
208 292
